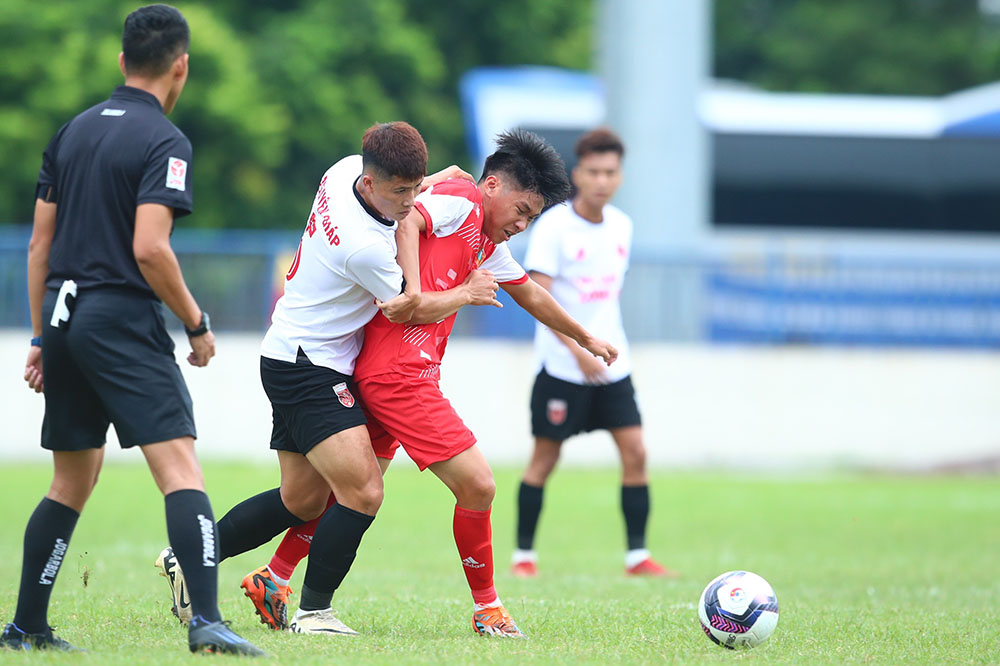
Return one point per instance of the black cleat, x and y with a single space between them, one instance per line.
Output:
218 637
13 638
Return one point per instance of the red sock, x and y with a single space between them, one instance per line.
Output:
295 546
474 538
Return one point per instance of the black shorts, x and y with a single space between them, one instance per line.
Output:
113 363
561 409
308 403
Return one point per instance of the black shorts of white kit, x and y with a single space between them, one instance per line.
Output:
112 362
308 403
561 409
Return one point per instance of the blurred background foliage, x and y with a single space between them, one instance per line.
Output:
280 90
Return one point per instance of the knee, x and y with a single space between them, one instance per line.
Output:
370 496
478 492
72 491
305 504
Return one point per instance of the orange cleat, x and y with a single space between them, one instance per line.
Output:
495 621
652 568
270 600
526 569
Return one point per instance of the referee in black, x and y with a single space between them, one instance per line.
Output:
112 182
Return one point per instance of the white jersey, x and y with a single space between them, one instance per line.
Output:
587 263
346 259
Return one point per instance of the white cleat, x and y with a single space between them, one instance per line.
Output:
171 570
319 622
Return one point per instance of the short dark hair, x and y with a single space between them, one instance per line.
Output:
153 37
394 149
600 140
531 163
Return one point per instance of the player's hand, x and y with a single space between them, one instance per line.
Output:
602 349
33 369
593 368
400 309
445 174
202 349
482 287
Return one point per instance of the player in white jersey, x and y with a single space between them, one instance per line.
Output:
580 251
344 271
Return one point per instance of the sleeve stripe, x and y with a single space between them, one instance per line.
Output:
429 226
520 280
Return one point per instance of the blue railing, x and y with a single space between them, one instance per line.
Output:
923 294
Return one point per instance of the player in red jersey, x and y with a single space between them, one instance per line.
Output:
463 260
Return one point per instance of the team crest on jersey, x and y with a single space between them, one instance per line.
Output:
556 411
480 257
344 394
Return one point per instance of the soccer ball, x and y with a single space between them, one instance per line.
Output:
738 609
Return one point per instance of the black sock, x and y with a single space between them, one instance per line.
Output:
635 506
192 535
529 505
331 554
253 523
46 539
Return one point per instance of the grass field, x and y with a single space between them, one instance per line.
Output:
866 569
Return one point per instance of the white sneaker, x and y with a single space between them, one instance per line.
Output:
319 622
171 570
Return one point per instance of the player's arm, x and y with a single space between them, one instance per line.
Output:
42 230
373 268
401 307
592 368
445 174
158 264
479 288
541 305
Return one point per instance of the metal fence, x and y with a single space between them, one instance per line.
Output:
927 294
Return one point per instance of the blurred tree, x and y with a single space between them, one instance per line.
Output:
62 56
903 47
278 90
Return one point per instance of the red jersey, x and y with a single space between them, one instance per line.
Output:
452 247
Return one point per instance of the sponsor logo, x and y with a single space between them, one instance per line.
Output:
472 563
207 541
55 561
115 113
176 173
344 394
556 411
736 595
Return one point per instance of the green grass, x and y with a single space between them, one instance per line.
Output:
866 569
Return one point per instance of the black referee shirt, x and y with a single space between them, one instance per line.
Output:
98 168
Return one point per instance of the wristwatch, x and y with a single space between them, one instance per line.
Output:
203 328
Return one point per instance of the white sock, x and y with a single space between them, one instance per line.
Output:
633 557
524 556
299 612
492 604
277 579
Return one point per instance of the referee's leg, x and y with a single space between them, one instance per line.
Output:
48 532
190 522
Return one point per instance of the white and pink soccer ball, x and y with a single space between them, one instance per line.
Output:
738 609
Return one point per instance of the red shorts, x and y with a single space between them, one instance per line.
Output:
413 411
